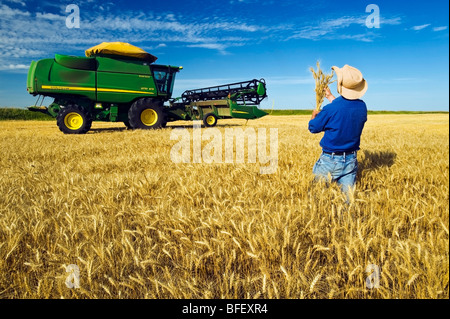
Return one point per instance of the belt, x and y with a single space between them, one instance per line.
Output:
340 153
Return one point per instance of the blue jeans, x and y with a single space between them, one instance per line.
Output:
341 168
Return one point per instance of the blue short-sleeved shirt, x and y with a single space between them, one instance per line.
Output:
342 121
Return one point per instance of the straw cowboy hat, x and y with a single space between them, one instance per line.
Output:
350 82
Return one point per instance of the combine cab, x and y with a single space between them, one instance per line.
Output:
120 83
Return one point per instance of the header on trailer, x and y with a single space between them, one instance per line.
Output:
248 92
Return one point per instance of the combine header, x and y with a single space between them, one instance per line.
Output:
235 100
118 82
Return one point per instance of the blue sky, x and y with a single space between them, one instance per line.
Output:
405 61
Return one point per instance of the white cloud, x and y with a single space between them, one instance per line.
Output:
212 46
18 28
14 67
325 27
332 29
420 27
18 52
147 27
390 21
50 16
38 35
20 2
440 28
6 11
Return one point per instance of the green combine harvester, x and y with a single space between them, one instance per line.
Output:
118 82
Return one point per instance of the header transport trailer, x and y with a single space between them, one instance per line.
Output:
118 82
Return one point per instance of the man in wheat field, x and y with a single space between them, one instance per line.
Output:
342 121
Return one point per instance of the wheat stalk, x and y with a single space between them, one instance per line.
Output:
322 82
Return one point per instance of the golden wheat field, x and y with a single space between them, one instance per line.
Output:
138 225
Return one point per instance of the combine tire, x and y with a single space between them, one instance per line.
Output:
146 114
73 119
210 120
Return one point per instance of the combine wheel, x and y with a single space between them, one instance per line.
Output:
146 113
210 120
73 119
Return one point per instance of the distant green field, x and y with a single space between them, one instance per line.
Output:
9 113
289 112
407 112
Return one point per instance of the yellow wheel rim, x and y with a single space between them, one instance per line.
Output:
149 117
73 121
210 120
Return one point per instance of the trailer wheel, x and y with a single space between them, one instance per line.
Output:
210 120
146 113
73 119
